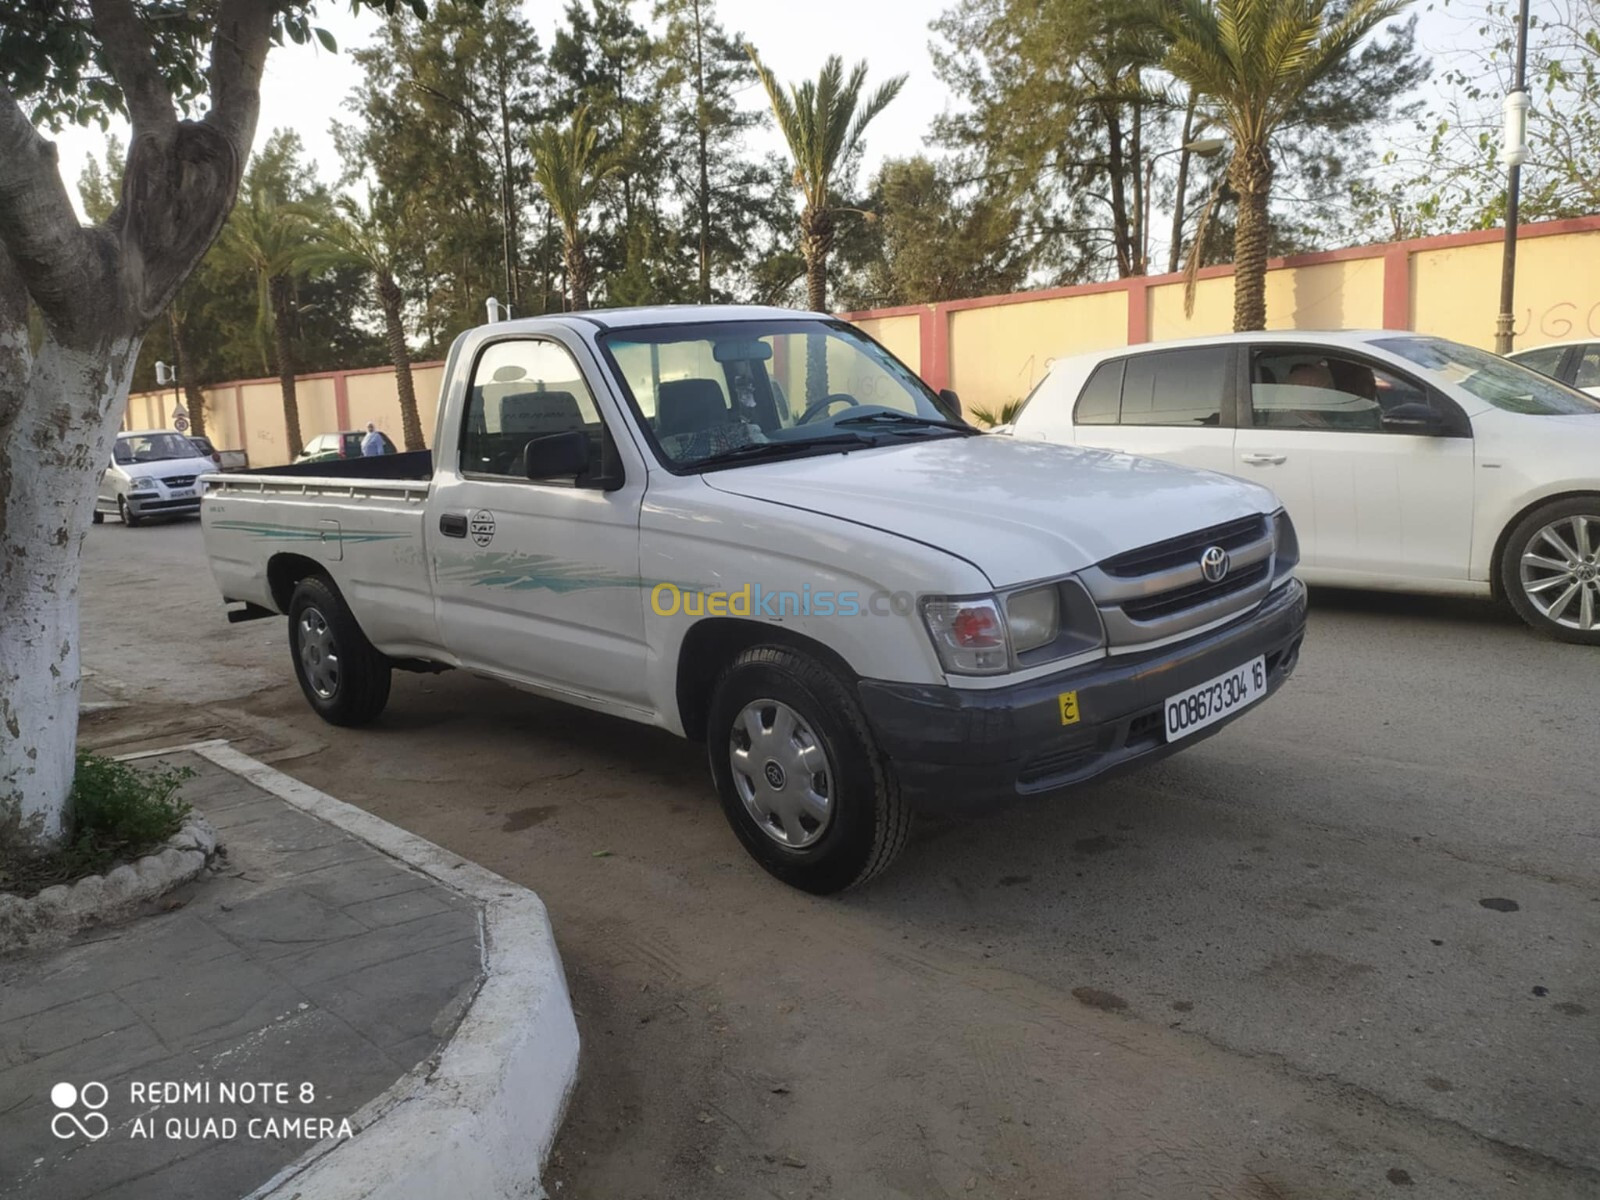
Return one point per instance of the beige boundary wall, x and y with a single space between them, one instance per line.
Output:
993 349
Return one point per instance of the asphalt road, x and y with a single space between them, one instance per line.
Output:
1346 947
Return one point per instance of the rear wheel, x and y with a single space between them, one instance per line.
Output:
126 513
99 517
343 677
801 778
1550 570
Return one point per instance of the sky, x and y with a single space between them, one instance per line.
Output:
305 87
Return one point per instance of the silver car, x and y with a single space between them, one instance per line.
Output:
153 473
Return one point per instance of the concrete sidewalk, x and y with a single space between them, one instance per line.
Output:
286 992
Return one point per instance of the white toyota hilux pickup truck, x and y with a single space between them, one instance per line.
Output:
757 529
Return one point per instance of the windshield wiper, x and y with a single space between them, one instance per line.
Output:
760 450
900 418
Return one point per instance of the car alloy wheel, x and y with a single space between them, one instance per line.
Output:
1560 571
782 773
319 654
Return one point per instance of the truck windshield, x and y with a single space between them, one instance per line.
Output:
708 393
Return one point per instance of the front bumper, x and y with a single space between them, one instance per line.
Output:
957 748
153 504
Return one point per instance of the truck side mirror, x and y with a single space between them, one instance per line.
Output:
951 403
557 456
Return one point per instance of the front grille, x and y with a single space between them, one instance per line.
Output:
1159 591
1168 603
179 481
1179 551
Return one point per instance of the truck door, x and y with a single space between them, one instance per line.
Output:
536 580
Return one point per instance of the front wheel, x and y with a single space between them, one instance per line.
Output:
343 677
1550 570
801 778
126 513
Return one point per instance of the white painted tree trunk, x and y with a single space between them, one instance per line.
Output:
50 467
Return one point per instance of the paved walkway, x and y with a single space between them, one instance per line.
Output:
285 992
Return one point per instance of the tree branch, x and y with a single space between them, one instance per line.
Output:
238 54
132 59
56 258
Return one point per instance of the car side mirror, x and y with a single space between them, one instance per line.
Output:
1413 418
557 456
951 403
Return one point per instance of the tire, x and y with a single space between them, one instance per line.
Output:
125 513
1557 592
344 679
828 753
99 517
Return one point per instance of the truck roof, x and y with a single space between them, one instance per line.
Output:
660 314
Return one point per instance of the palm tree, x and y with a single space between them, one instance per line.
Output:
823 122
349 235
570 170
1252 61
272 239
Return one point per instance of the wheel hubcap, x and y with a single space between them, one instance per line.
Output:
782 773
1561 572
319 656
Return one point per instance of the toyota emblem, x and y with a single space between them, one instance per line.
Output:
1214 564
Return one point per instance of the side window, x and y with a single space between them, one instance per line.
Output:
522 390
1310 389
1545 360
1176 387
1101 401
1588 375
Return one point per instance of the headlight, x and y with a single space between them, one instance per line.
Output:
983 635
970 635
1285 544
141 485
1034 617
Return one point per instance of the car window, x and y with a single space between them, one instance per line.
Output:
1546 359
522 390
1507 385
1588 375
1101 401
1175 387
1309 388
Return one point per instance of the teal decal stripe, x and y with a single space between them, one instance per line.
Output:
295 533
528 572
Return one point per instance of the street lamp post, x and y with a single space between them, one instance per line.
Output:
1514 153
1205 147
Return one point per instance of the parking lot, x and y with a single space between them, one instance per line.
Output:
1348 945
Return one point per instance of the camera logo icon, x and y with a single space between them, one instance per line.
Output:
67 1123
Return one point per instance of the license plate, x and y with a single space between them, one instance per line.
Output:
183 494
1191 711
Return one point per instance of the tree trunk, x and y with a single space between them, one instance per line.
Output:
816 240
577 273
410 421
1250 173
703 200
56 443
180 364
282 295
1180 200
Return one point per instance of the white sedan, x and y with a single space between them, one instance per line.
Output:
1407 462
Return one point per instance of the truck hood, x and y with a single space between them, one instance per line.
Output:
1017 510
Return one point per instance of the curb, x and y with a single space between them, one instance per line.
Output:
62 909
477 1118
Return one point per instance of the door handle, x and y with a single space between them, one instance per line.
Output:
1264 460
453 524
